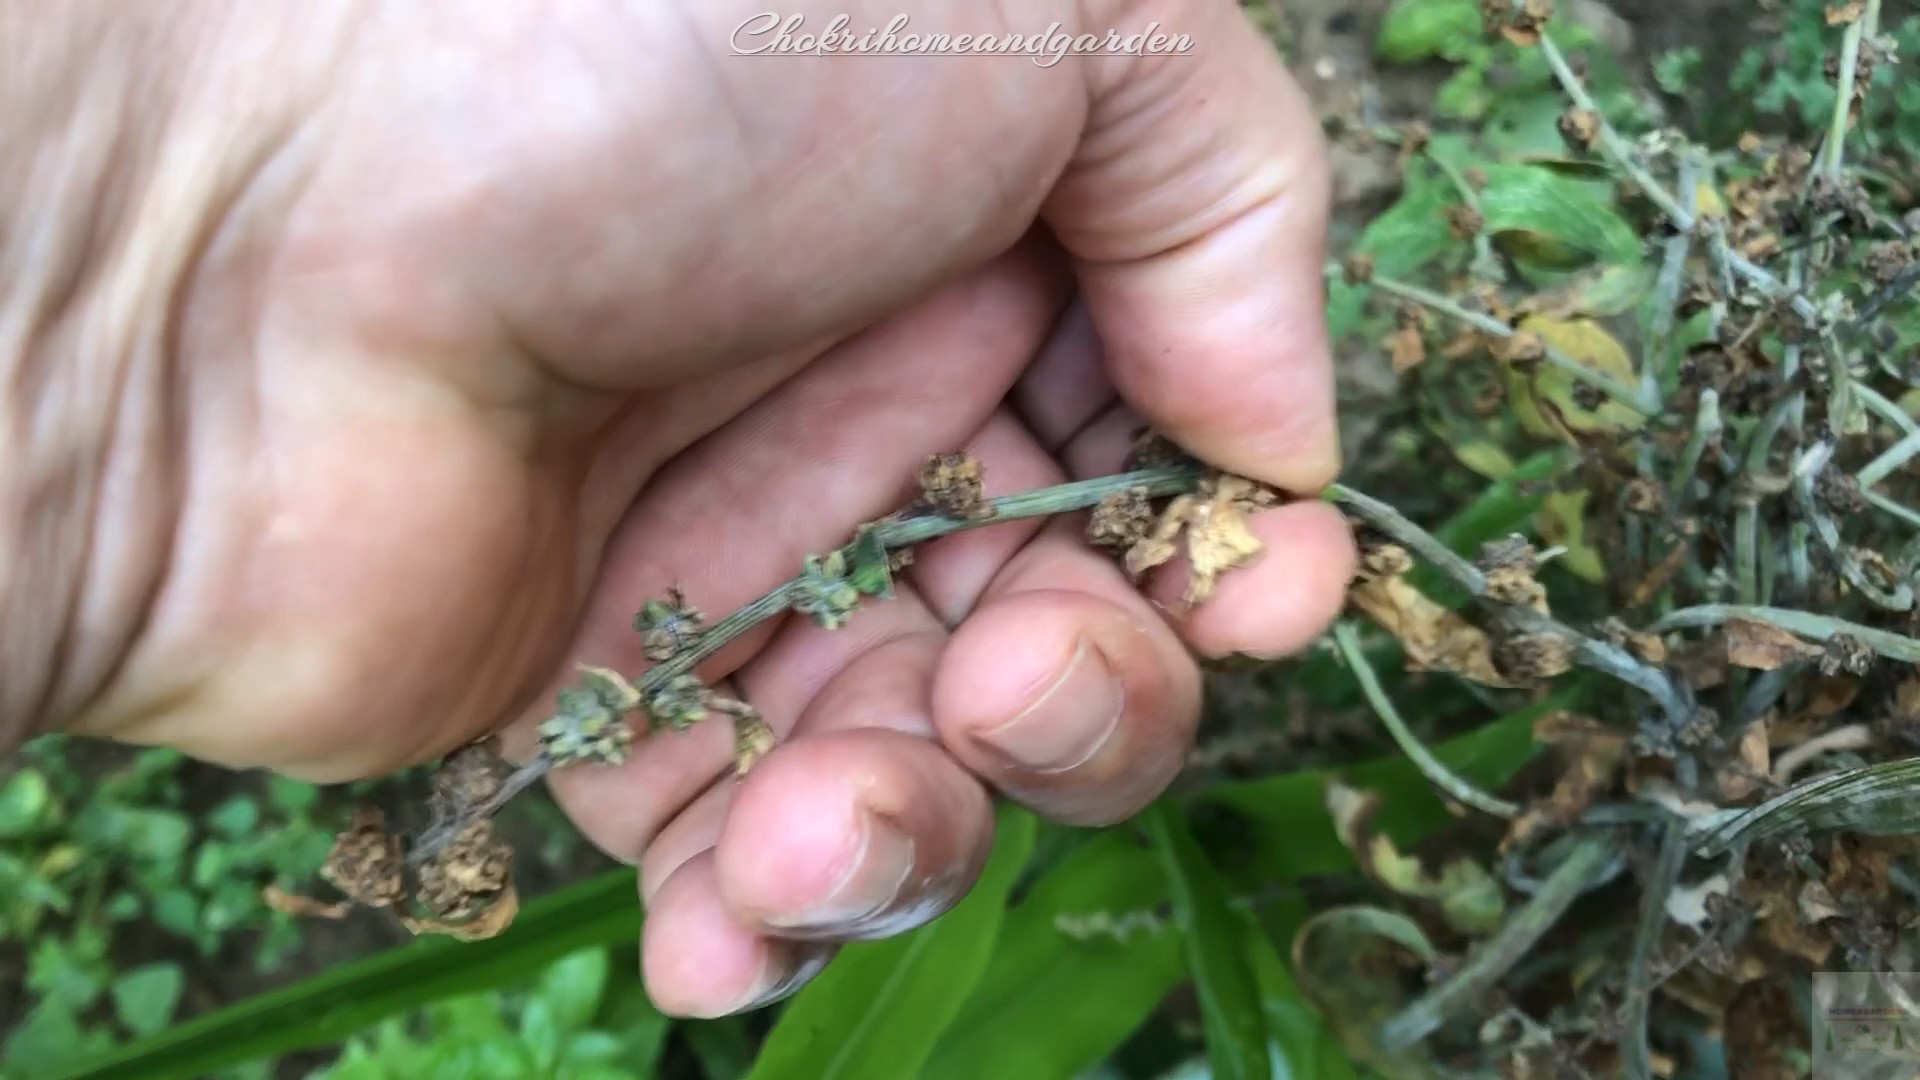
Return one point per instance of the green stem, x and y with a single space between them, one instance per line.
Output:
1805 623
1833 153
1456 786
1706 425
1583 867
1895 456
894 533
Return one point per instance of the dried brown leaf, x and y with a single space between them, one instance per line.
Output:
366 861
1433 638
1842 12
1407 348
1213 520
1589 754
953 485
1747 773
287 903
488 922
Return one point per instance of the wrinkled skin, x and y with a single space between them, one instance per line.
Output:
363 366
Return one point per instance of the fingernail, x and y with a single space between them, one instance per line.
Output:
783 978
1069 722
870 887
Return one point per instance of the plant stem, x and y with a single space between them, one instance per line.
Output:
1706 426
1622 154
1583 866
1456 786
1805 623
1487 324
1834 152
894 533
1653 916
1895 456
1598 655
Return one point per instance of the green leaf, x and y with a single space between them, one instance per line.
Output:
572 988
25 803
870 571
1553 221
1301 1045
1408 235
540 1033
235 818
1053 1004
1464 96
1230 1008
877 1012
49 1038
720 1046
329 1007
1281 826
1418 29
144 999
1347 961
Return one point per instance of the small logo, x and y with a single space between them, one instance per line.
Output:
1865 1025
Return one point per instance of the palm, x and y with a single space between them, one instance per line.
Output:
532 346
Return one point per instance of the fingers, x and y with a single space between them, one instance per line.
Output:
1065 689
1196 209
1272 607
698 962
853 835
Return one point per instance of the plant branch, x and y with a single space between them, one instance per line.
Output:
1456 786
1805 623
1589 652
893 533
1833 153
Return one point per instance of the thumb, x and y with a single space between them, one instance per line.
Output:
1196 210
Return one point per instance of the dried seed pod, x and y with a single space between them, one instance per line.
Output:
1643 497
1522 348
468 777
468 875
753 739
679 703
1838 492
1465 221
668 627
1847 653
1888 259
1122 519
1380 558
1702 728
590 723
825 592
1532 658
1152 450
952 485
1509 565
366 861
1580 128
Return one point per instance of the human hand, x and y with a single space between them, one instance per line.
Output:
368 364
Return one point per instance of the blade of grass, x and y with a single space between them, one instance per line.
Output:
878 1011
1230 1004
329 1007
1054 1004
